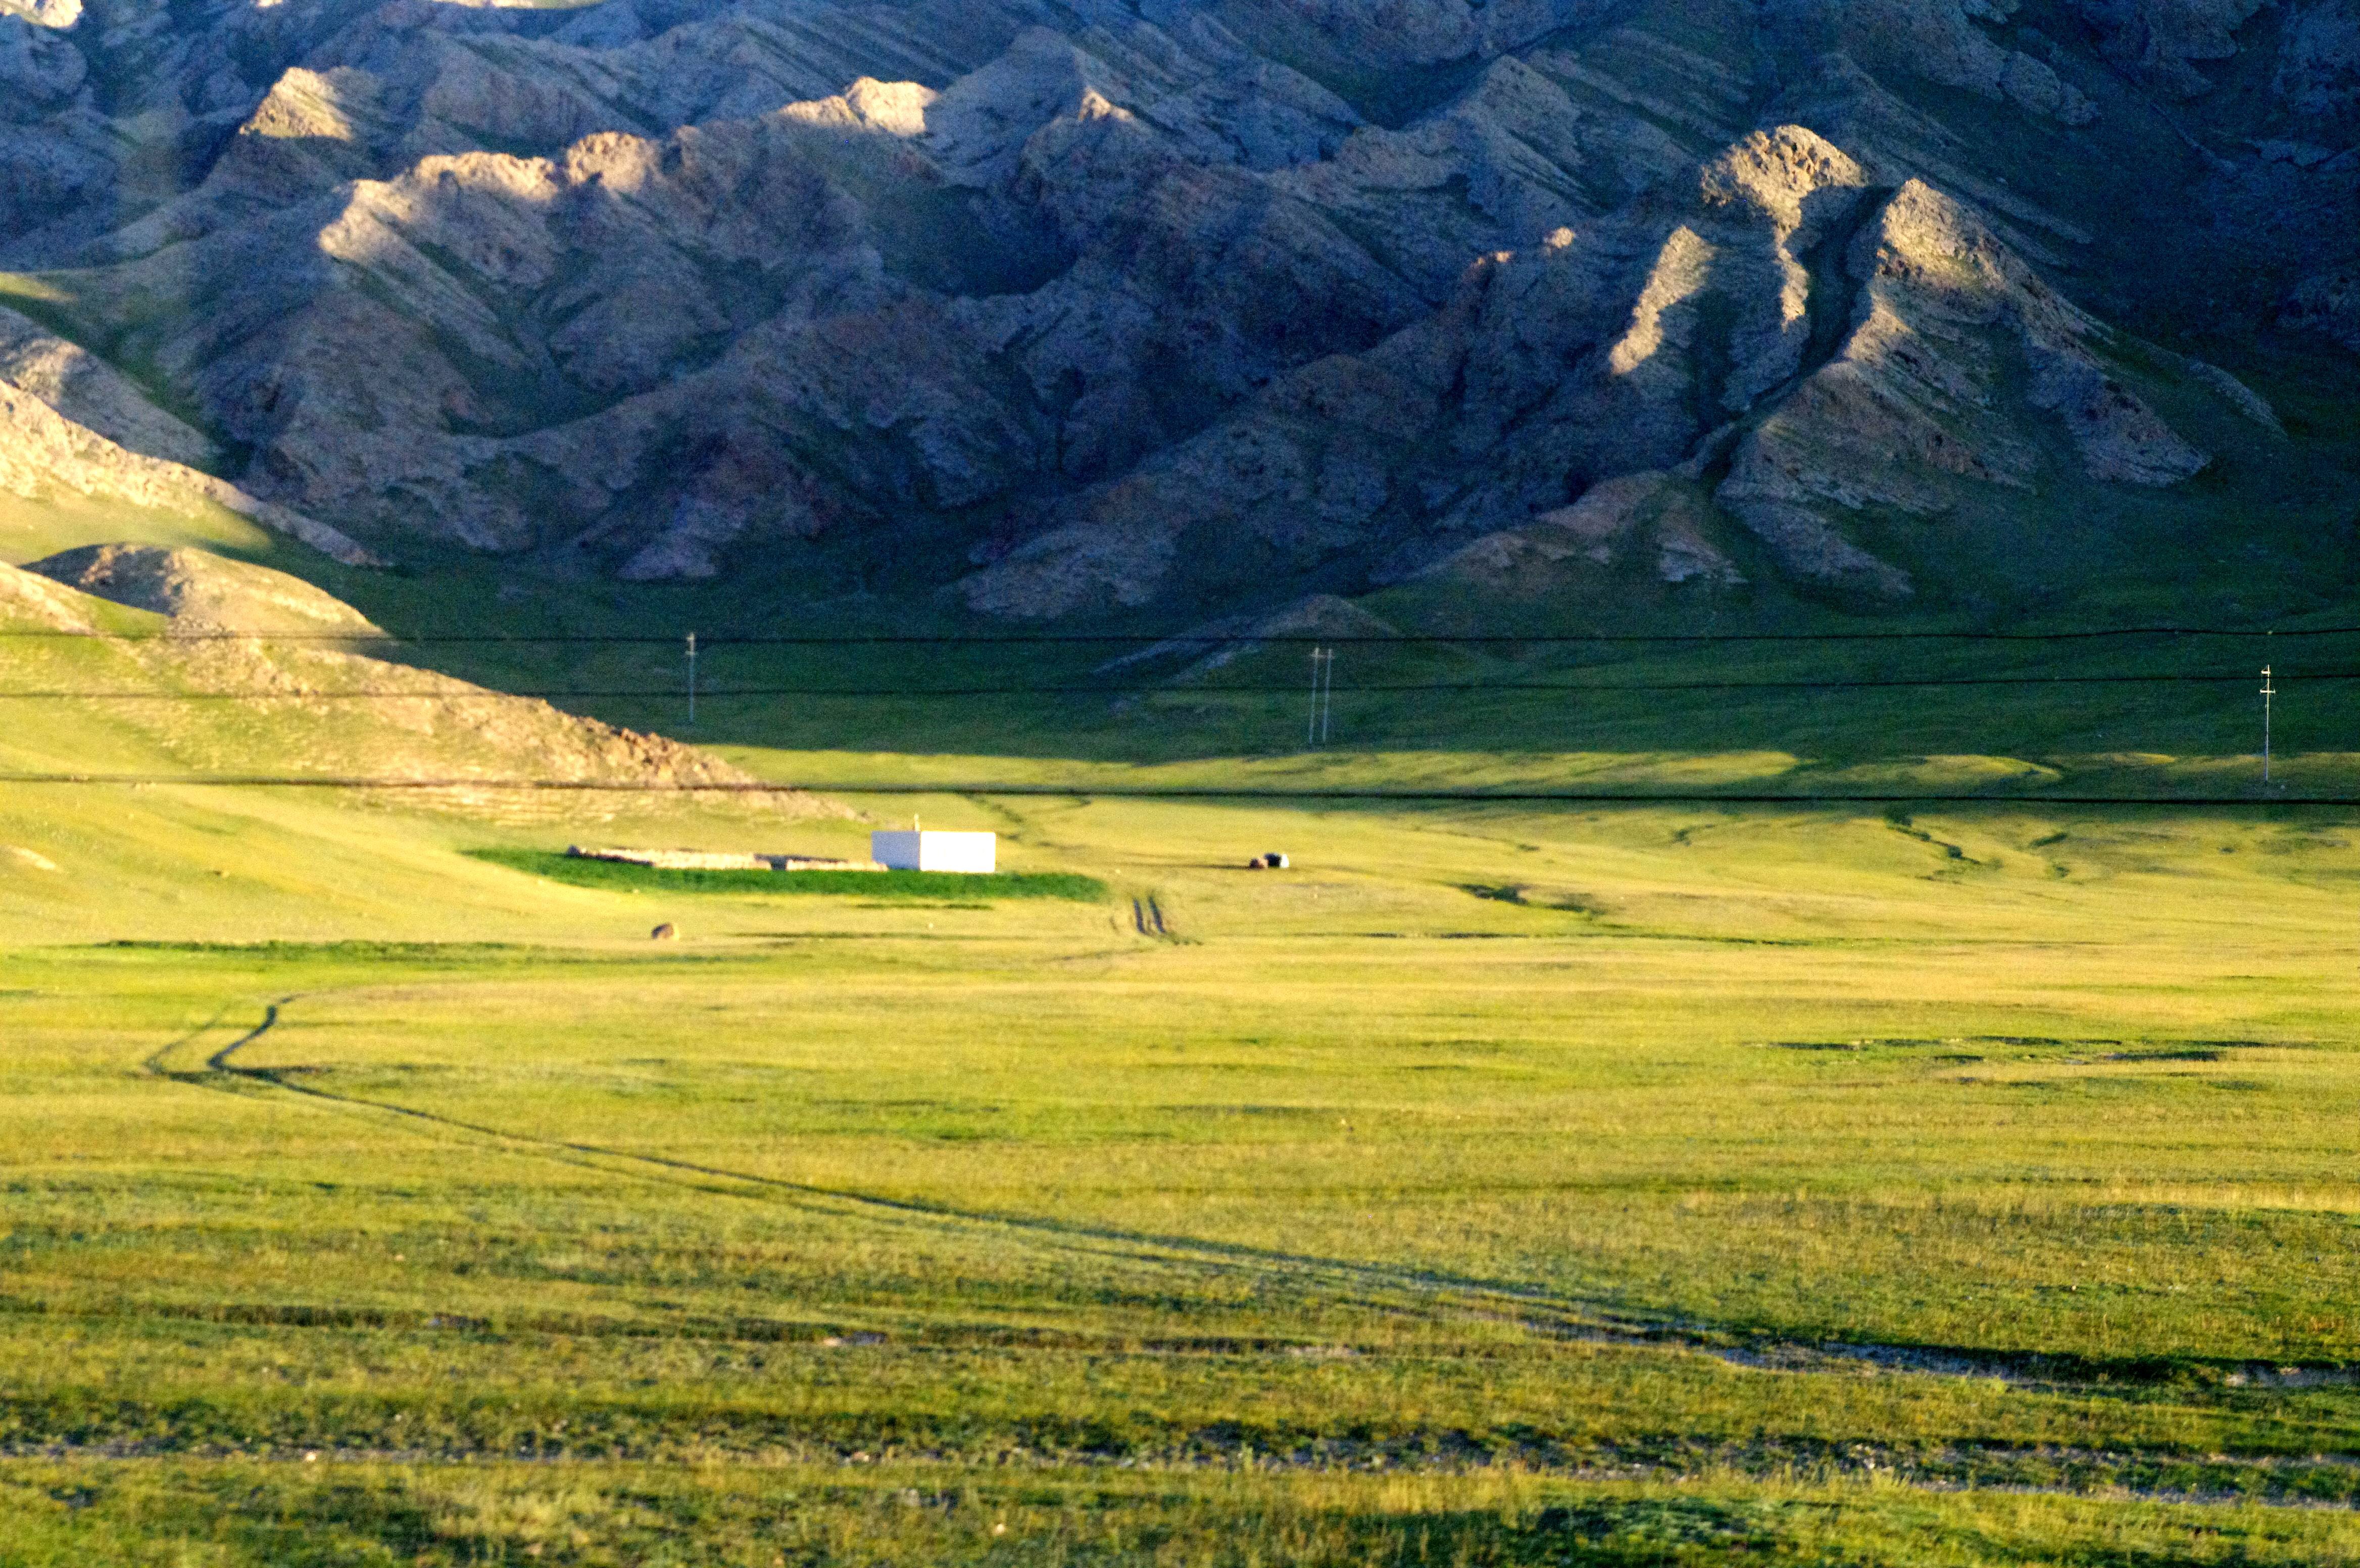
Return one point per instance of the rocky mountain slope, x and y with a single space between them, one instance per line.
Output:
69 420
1070 309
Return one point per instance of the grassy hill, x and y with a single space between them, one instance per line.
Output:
94 688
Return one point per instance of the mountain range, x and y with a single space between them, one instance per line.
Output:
1045 310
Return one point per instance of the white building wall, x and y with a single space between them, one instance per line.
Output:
908 850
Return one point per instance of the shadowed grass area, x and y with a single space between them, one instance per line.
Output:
623 875
232 1513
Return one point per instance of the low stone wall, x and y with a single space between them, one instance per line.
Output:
718 861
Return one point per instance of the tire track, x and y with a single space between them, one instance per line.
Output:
1147 920
1420 1293
219 1060
1375 1287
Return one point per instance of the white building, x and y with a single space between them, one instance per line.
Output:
912 849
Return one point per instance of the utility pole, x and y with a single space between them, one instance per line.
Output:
1323 697
1327 702
692 680
2268 691
1311 726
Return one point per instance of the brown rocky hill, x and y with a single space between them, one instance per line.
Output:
1158 305
251 671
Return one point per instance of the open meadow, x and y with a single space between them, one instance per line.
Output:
1499 1184
1882 1146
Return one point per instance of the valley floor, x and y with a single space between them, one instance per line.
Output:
1500 1184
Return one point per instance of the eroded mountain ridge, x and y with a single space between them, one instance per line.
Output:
1123 305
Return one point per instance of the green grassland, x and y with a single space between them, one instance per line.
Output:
1509 1181
32 528
2127 710
1502 1184
588 872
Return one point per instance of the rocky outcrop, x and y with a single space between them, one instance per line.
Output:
42 450
2317 74
2166 41
1652 524
57 151
202 594
84 388
2328 304
1955 349
27 599
1945 42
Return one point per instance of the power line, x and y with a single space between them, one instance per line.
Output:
1321 690
1067 791
1189 640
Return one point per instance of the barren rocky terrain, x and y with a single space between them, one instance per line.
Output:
1176 308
